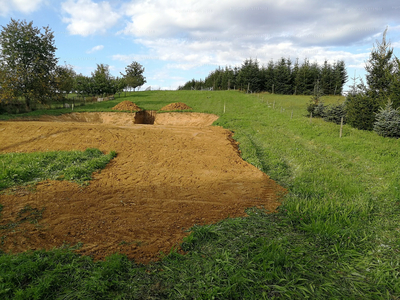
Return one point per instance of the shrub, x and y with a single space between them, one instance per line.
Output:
334 113
387 122
13 107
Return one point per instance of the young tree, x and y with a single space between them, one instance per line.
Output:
395 84
27 56
283 78
249 76
64 79
295 71
363 105
102 80
379 68
326 78
387 121
339 77
302 79
134 75
119 85
83 85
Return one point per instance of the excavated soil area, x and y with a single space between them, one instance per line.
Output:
165 179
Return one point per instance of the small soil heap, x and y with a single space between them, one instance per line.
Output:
126 105
176 106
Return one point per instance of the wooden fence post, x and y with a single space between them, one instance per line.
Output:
341 127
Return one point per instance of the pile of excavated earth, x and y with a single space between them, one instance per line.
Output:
176 106
165 179
126 105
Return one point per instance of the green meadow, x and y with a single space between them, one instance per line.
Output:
335 236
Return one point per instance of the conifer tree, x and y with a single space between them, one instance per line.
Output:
269 79
303 78
282 75
339 75
326 78
295 71
379 68
362 107
249 76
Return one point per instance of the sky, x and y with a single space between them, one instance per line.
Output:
178 40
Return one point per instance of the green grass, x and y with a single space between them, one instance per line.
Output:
27 168
336 235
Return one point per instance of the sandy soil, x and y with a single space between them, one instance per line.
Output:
164 180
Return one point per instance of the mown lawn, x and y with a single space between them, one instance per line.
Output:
336 235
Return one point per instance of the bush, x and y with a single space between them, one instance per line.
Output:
334 113
13 107
387 122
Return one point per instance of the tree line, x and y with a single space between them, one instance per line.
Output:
281 77
30 74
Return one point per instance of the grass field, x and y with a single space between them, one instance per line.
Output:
336 236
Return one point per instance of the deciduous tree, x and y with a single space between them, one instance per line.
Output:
27 60
134 75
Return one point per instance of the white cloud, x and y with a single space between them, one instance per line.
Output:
24 6
87 17
95 49
188 35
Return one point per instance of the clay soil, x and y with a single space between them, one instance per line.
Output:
165 179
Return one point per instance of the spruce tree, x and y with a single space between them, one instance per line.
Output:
249 76
295 71
362 106
339 76
326 78
379 68
395 84
387 121
303 78
282 76
269 80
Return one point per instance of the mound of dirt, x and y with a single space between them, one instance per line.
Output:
126 105
176 106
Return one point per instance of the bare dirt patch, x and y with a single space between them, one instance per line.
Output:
164 180
176 106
